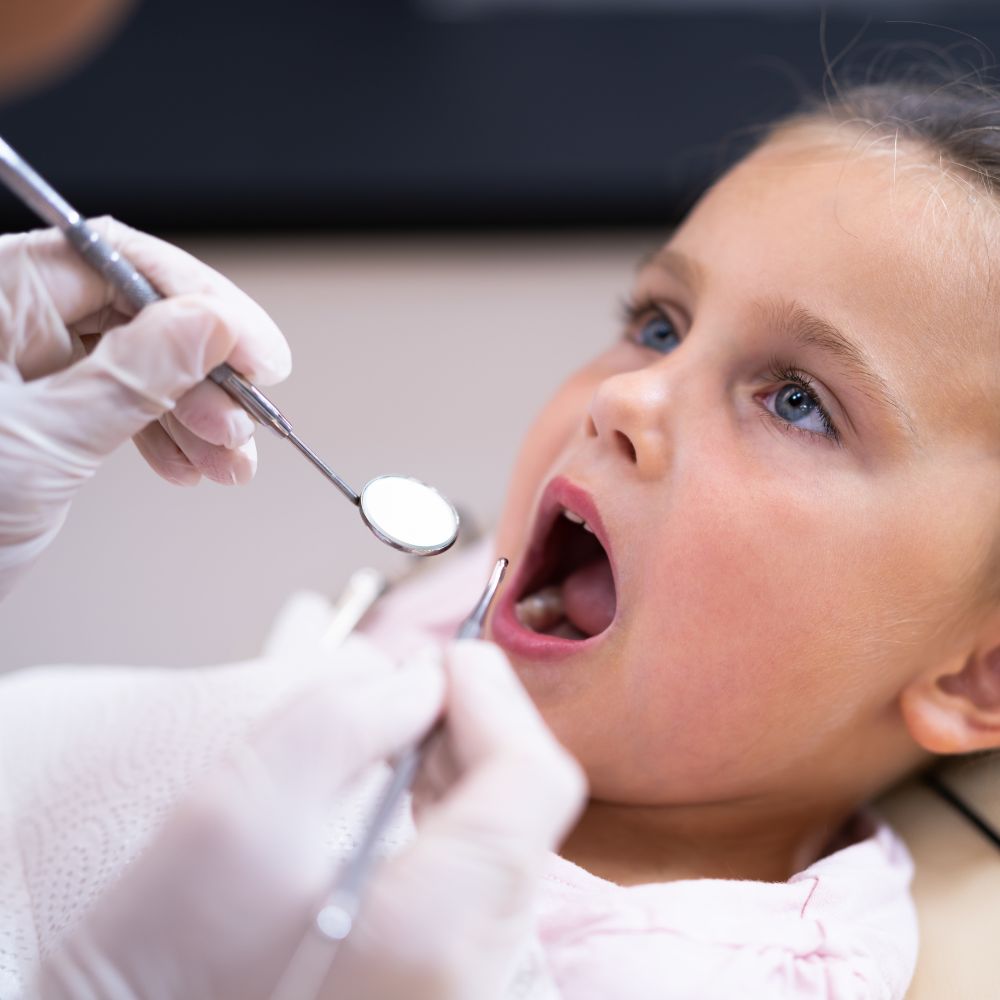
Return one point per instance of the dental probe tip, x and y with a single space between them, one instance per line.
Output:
497 575
472 627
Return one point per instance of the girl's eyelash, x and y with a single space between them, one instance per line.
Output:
632 309
782 372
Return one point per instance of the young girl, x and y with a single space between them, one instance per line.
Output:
756 560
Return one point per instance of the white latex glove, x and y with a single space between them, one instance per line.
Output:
222 904
63 410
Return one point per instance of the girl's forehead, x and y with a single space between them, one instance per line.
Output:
863 198
884 242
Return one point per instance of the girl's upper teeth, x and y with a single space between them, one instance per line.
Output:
576 519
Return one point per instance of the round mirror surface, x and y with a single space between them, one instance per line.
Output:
409 515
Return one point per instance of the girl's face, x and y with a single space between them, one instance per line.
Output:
790 455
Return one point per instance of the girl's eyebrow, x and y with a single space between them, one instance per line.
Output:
675 263
807 330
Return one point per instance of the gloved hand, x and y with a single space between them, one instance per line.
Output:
62 409
222 904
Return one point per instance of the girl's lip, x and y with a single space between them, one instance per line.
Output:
507 630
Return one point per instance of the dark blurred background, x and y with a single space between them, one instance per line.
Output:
235 115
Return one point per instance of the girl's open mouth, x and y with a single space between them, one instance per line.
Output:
563 594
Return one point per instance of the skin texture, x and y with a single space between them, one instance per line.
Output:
800 622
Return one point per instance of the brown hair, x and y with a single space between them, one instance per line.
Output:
959 120
944 97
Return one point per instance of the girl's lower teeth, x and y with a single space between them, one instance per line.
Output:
542 610
566 630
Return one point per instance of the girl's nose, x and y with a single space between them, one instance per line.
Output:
627 415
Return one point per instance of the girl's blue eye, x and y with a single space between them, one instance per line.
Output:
659 334
797 404
794 404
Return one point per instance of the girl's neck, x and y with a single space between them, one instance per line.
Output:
632 845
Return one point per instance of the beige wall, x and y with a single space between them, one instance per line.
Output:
424 356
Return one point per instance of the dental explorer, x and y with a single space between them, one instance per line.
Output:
399 510
335 920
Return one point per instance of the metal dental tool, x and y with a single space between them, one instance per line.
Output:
402 512
335 920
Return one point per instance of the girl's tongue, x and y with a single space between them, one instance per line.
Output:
588 596
572 593
579 607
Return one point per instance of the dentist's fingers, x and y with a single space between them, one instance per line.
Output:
331 733
228 466
214 416
491 720
438 772
33 336
515 777
164 457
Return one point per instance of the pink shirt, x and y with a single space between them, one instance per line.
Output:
844 928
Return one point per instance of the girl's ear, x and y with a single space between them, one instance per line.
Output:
955 708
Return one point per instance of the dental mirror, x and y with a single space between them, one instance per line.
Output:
401 511
409 515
